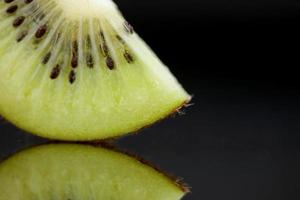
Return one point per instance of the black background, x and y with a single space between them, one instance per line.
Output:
240 60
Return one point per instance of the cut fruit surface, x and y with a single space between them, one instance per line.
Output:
76 70
82 172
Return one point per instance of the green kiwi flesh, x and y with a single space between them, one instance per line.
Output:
77 71
82 172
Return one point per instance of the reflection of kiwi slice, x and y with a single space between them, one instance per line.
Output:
76 70
81 172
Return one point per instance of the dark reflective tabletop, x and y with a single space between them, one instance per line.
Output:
232 144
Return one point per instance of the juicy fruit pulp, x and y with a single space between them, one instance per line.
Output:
73 171
76 70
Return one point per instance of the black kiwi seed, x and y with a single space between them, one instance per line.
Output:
110 63
89 57
128 27
28 1
75 46
12 9
102 35
90 61
21 36
55 72
104 46
128 57
105 49
41 31
8 1
18 21
46 58
89 42
72 77
74 61
120 39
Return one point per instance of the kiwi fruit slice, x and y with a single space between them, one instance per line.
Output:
82 172
77 71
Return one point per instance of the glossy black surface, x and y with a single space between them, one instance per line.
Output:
240 139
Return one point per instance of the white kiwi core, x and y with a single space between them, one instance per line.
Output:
75 9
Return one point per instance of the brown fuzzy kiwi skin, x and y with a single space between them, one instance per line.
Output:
109 146
175 180
174 112
3 120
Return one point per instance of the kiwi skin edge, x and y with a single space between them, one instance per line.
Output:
172 113
103 144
